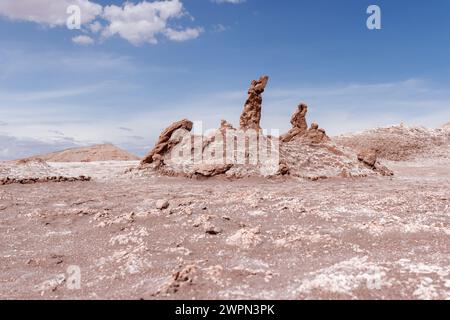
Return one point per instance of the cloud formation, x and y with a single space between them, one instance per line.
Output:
229 1
144 22
48 12
16 148
83 40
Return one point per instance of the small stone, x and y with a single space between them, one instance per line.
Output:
212 229
162 204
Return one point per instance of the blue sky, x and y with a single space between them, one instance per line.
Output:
140 70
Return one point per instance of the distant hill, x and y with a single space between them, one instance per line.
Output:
399 142
101 152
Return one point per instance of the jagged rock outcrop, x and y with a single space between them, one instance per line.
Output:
166 142
370 158
225 125
300 128
246 152
251 116
211 170
315 134
8 180
298 121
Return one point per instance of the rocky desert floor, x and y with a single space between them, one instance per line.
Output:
282 238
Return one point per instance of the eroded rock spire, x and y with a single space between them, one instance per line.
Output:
251 116
300 128
298 121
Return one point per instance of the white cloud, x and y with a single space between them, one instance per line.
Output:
83 40
53 94
359 106
219 28
183 35
229 1
48 12
144 22
139 23
15 148
95 27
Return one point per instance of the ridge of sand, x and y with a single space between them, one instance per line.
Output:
100 152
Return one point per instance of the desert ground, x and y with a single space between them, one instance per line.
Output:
136 235
358 216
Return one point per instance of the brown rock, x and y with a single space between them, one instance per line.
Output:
179 279
162 204
251 116
299 125
315 134
383 170
368 157
164 145
300 128
298 119
7 180
283 169
212 170
225 125
211 229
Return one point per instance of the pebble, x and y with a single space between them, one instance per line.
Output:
162 204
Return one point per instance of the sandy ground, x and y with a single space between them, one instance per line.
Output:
361 238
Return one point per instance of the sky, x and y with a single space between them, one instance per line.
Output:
134 67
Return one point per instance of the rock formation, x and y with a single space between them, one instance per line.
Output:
8 180
246 152
211 170
315 134
165 142
181 278
300 128
370 158
251 116
225 125
299 125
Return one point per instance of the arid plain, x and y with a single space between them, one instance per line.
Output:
360 216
